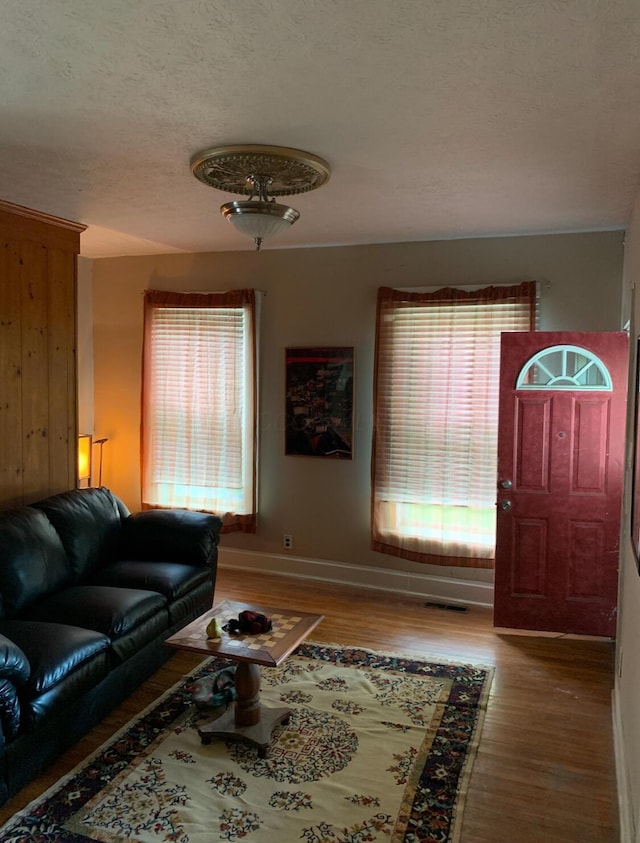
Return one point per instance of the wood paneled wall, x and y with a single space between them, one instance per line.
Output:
38 415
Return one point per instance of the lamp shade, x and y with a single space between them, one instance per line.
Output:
259 220
84 458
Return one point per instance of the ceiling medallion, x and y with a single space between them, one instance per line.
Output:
261 173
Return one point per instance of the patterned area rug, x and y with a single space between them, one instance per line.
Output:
378 748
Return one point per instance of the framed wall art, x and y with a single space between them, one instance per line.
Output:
319 402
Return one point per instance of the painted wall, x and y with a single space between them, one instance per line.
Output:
627 683
327 297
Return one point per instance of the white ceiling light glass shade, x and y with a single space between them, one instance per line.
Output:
259 220
262 173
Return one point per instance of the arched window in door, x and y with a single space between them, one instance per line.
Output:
565 367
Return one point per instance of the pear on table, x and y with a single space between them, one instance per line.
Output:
214 629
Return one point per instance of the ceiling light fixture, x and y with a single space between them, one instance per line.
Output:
262 173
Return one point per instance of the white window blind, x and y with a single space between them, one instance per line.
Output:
199 408
436 420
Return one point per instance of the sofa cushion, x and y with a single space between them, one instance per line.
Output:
38 708
136 639
55 650
189 606
168 578
33 561
111 611
88 523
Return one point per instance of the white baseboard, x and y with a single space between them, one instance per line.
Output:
441 589
625 807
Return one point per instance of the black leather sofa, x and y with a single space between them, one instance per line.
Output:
88 594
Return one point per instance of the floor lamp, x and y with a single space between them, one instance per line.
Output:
101 443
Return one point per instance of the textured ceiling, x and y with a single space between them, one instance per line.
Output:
439 118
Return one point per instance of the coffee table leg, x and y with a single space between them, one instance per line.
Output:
246 719
248 690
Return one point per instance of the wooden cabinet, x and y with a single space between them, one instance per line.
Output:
38 416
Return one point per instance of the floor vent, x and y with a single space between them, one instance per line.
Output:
450 607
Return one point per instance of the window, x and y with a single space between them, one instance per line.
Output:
565 367
199 404
436 420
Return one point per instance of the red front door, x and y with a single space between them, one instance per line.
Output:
561 441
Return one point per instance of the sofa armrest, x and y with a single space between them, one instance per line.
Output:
14 665
14 671
9 711
171 535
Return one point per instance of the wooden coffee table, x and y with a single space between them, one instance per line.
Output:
247 719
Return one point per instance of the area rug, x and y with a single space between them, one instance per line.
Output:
379 747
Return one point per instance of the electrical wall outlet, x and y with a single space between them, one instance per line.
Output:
287 541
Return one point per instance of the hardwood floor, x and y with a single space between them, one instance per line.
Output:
544 770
